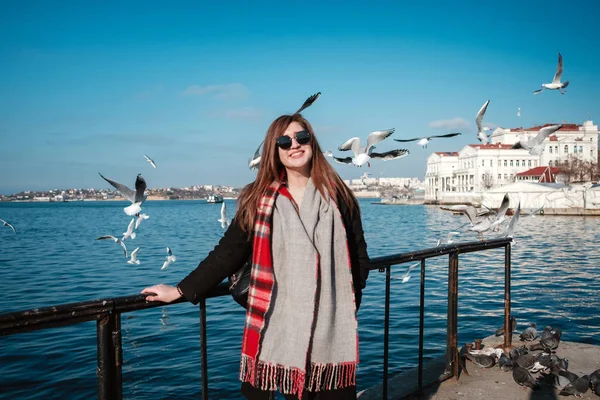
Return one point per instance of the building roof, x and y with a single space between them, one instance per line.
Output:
537 171
565 127
545 173
491 146
447 153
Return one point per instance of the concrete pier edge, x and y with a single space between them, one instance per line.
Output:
482 383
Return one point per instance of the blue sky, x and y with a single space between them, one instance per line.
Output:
90 86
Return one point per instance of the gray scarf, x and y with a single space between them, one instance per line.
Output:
311 324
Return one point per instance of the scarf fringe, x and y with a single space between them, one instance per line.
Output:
288 380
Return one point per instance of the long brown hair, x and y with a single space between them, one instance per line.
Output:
324 177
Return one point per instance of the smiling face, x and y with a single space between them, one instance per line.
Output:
297 157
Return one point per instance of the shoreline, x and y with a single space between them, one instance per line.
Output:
119 199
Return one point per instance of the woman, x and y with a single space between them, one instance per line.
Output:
301 225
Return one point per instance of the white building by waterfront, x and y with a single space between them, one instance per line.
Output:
455 176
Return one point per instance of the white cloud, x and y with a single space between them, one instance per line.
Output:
450 124
230 91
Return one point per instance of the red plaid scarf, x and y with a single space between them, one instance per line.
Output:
252 370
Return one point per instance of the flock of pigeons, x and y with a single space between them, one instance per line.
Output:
363 154
137 198
540 357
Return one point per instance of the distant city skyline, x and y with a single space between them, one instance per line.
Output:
91 87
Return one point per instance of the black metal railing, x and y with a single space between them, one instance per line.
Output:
452 250
107 313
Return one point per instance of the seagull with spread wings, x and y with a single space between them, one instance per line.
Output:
535 145
255 160
448 239
481 135
116 240
385 156
129 233
362 155
4 223
140 218
309 102
151 161
136 198
423 141
134 259
224 220
512 225
407 275
170 259
556 84
501 214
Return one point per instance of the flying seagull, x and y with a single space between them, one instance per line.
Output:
481 135
4 223
363 154
136 198
425 140
556 83
151 161
224 221
448 239
309 102
518 112
407 275
116 240
255 160
512 225
481 226
129 233
501 214
134 259
535 144
170 259
386 156
537 211
140 218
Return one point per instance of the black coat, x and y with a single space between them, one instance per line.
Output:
235 247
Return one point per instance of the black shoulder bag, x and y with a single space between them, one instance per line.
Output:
239 283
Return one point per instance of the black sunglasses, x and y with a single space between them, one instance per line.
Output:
285 142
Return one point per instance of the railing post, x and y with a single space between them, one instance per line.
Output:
118 355
452 323
507 324
105 358
386 332
421 324
203 351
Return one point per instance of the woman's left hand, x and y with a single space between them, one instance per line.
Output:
162 292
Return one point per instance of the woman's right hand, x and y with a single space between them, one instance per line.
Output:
162 292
